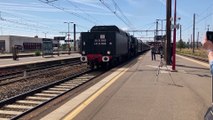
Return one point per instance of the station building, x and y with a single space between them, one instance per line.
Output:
27 44
22 42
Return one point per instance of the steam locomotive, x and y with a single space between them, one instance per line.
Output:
108 45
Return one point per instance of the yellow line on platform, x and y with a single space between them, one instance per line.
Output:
77 110
195 61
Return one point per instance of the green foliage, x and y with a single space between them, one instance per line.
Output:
198 52
37 53
181 44
64 46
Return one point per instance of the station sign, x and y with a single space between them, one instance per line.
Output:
69 41
59 38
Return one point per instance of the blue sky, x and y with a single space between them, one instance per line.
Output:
33 17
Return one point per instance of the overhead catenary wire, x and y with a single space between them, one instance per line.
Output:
203 15
51 1
116 14
202 18
18 27
30 24
152 24
67 11
198 21
83 11
124 16
25 24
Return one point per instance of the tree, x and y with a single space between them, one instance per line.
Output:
181 44
63 46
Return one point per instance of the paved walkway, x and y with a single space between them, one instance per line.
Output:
137 92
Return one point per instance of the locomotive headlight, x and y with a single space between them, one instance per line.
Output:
83 52
83 59
108 52
84 43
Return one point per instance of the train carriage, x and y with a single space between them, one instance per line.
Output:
134 46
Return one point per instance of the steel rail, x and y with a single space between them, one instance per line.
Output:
24 96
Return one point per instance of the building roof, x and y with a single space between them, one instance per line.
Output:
18 36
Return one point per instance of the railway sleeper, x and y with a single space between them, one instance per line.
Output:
37 98
28 102
10 112
64 87
68 86
14 106
52 91
59 89
45 94
69 83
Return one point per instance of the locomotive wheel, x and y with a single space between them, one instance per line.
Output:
105 66
92 66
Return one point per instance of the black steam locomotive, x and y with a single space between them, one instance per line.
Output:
108 45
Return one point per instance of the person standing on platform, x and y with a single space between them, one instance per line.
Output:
161 51
208 45
15 52
153 50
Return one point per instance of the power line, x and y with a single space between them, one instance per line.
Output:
50 3
114 12
203 18
200 20
83 11
25 22
124 16
207 9
147 25
16 27
20 23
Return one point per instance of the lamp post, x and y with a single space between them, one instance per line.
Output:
45 34
68 34
74 35
208 27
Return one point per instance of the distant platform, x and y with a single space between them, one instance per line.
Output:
31 60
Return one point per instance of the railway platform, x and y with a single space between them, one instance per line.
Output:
141 90
9 62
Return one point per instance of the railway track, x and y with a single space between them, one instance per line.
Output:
34 73
20 72
20 105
